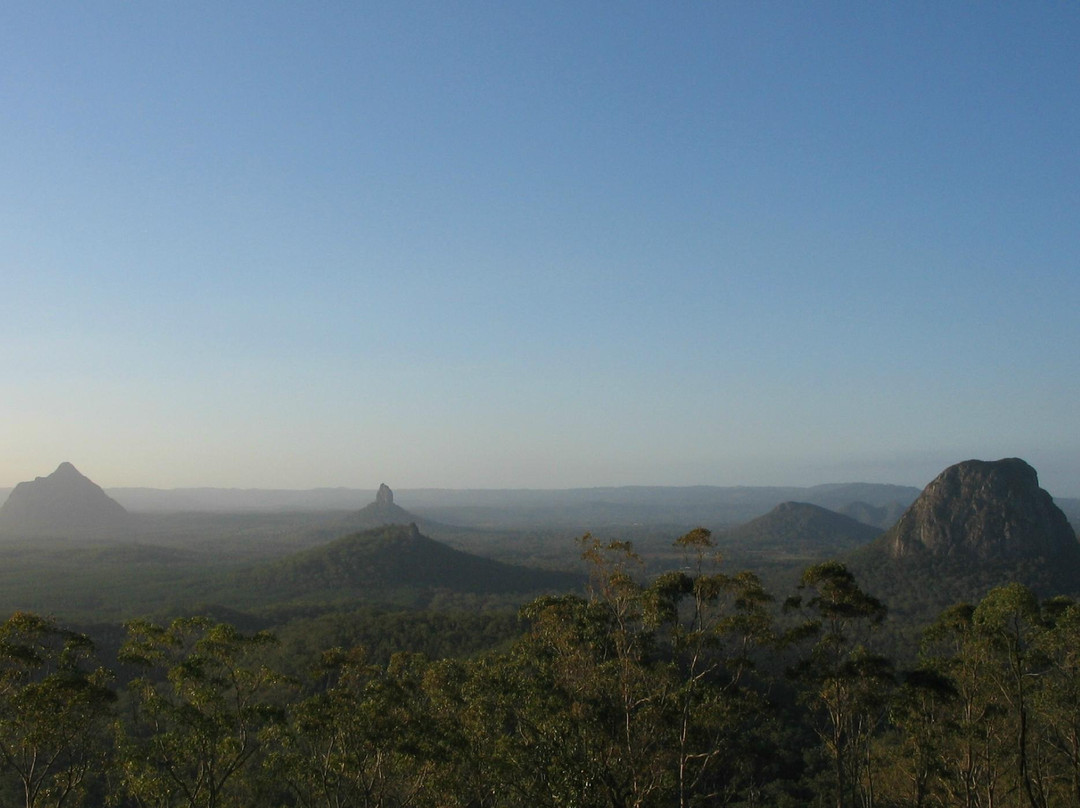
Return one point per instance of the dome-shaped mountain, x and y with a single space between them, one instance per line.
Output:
799 527
380 563
65 504
985 510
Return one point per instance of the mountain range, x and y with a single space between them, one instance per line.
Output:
977 524
577 509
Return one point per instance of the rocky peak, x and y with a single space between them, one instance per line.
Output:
382 511
983 510
63 504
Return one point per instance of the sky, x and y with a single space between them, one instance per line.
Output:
538 245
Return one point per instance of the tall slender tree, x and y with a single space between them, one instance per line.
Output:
199 710
845 682
54 705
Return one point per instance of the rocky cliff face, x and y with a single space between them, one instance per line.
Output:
983 510
65 504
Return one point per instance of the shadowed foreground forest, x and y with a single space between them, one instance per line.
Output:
696 688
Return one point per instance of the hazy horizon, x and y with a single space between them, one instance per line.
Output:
1053 487
555 246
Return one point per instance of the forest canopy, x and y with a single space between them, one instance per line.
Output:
696 687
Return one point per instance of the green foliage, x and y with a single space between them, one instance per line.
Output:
661 691
383 633
846 684
53 709
361 741
200 709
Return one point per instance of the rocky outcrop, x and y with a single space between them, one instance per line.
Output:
983 510
382 511
64 505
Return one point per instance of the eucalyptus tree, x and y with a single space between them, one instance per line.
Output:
845 683
1008 625
55 703
365 740
199 710
1057 702
914 753
711 626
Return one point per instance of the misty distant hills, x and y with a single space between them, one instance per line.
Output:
64 504
880 516
574 509
239 500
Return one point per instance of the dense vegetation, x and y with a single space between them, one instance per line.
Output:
695 688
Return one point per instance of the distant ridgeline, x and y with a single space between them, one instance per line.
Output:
572 508
63 505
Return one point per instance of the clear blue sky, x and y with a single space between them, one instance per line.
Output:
538 245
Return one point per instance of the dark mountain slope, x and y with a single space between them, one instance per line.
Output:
378 563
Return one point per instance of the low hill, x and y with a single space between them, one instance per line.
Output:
65 504
799 529
391 563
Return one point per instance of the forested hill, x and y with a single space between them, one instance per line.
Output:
390 562
793 528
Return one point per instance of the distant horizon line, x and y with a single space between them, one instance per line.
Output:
615 486
493 488
443 488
